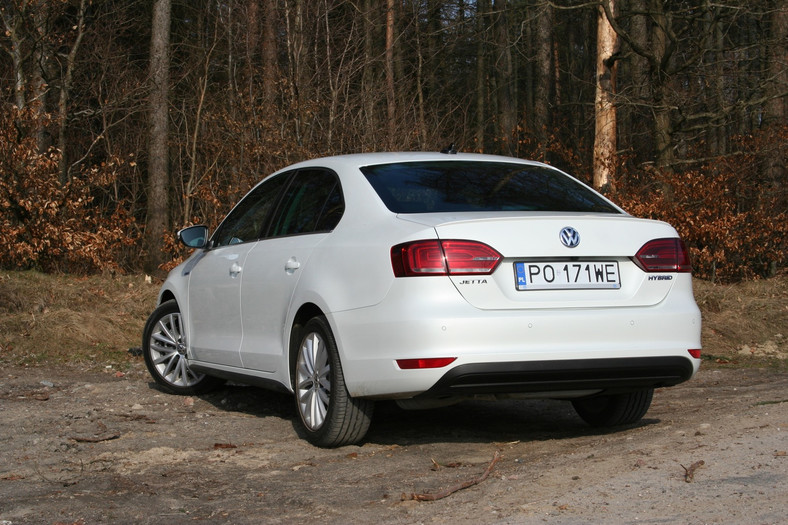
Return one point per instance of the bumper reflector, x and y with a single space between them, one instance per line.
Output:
433 362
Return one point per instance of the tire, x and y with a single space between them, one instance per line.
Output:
164 349
328 415
615 409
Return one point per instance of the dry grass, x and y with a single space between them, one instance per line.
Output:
93 321
745 323
59 319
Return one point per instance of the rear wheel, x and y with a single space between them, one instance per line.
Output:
615 409
164 349
330 417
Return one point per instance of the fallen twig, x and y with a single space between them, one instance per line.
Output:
427 496
97 439
438 466
689 473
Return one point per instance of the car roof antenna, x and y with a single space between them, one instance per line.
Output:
450 150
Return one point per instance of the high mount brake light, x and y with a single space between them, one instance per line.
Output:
664 255
443 257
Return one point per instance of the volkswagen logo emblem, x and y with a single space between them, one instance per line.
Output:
569 237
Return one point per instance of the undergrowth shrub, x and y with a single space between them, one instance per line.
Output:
49 226
734 222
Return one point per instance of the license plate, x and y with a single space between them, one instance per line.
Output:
567 275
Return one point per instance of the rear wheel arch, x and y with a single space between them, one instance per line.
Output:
306 312
329 416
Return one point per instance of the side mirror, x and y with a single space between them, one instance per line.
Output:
194 236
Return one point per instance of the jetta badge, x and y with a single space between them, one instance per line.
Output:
569 237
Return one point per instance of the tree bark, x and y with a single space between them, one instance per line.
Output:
65 90
482 9
543 106
391 103
777 104
663 131
270 66
158 147
368 76
507 106
13 23
605 114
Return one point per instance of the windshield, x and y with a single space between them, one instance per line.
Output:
460 186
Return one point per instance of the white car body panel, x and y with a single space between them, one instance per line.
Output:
378 318
215 310
272 270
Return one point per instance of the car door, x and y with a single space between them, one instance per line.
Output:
310 208
214 297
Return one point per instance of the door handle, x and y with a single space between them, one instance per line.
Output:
292 265
235 269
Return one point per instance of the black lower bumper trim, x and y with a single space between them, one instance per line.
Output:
609 375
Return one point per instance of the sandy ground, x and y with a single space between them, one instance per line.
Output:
85 447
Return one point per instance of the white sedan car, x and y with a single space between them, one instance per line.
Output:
428 278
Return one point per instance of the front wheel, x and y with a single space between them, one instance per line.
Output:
614 409
164 349
330 417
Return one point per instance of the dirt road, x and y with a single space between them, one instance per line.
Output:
85 447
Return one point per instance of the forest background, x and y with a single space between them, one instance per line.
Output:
124 120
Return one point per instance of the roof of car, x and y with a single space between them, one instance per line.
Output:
364 159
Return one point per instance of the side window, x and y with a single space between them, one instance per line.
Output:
312 203
246 221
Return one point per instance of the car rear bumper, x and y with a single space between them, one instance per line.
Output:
528 350
608 375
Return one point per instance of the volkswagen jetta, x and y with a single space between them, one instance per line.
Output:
428 278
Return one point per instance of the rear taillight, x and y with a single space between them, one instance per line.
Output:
448 257
664 255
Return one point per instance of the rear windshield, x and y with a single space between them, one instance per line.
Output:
458 186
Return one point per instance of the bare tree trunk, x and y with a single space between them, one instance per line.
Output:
605 117
507 107
252 39
391 103
632 126
777 104
270 66
544 75
420 122
42 72
296 57
368 76
663 131
158 148
482 9
12 21
65 89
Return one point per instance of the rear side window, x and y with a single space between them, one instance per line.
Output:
460 186
312 203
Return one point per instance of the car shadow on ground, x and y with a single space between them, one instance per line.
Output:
483 421
466 422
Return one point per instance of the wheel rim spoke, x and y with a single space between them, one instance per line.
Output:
313 381
166 343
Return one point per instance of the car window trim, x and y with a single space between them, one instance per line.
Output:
289 175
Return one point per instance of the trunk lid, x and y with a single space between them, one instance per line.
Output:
597 272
